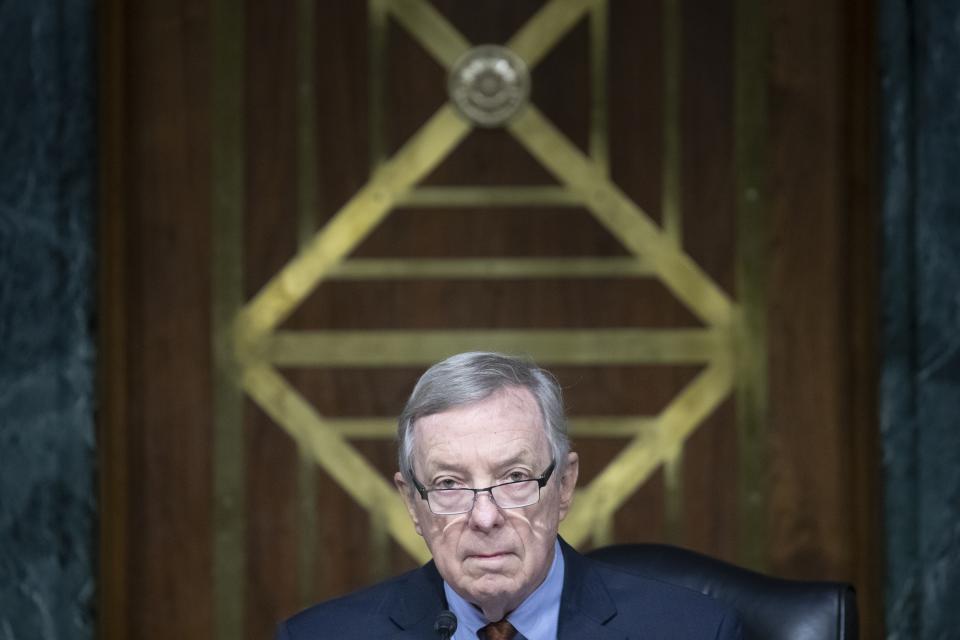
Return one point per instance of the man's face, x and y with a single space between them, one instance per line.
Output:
492 557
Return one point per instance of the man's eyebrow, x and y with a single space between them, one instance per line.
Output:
523 457
444 467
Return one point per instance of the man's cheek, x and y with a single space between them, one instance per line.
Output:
451 523
539 523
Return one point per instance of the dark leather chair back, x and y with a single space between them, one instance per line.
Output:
770 608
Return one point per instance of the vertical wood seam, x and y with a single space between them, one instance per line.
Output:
228 168
752 261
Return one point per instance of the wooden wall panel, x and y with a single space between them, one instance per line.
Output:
710 516
824 511
166 293
804 537
819 477
270 240
808 513
635 111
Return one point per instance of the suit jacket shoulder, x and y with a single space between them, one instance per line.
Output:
402 607
605 602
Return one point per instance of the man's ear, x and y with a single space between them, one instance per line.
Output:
568 483
409 499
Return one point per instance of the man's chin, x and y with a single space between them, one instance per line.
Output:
491 589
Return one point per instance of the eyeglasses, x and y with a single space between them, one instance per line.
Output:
507 495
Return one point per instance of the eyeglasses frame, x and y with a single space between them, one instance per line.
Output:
541 483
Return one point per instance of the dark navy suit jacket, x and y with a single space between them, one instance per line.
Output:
599 602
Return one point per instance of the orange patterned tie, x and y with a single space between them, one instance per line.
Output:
502 630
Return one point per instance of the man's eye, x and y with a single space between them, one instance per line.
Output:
447 483
515 476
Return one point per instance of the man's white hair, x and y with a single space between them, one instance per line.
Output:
473 376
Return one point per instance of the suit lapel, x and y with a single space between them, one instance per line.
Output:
586 607
417 603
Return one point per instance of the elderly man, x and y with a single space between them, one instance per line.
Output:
487 475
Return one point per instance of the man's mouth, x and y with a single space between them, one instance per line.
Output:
492 555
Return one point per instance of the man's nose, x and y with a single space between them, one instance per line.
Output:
485 514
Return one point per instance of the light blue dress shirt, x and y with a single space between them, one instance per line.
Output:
536 617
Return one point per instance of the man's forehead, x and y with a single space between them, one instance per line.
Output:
515 403
504 425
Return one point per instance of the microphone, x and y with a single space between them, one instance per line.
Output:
446 624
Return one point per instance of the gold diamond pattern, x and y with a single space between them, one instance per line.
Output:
259 347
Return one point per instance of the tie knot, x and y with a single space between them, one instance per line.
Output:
502 630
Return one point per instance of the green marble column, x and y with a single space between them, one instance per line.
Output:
47 485
919 55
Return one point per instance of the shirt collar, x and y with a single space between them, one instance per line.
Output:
536 617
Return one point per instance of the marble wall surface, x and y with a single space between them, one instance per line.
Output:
47 482
919 59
